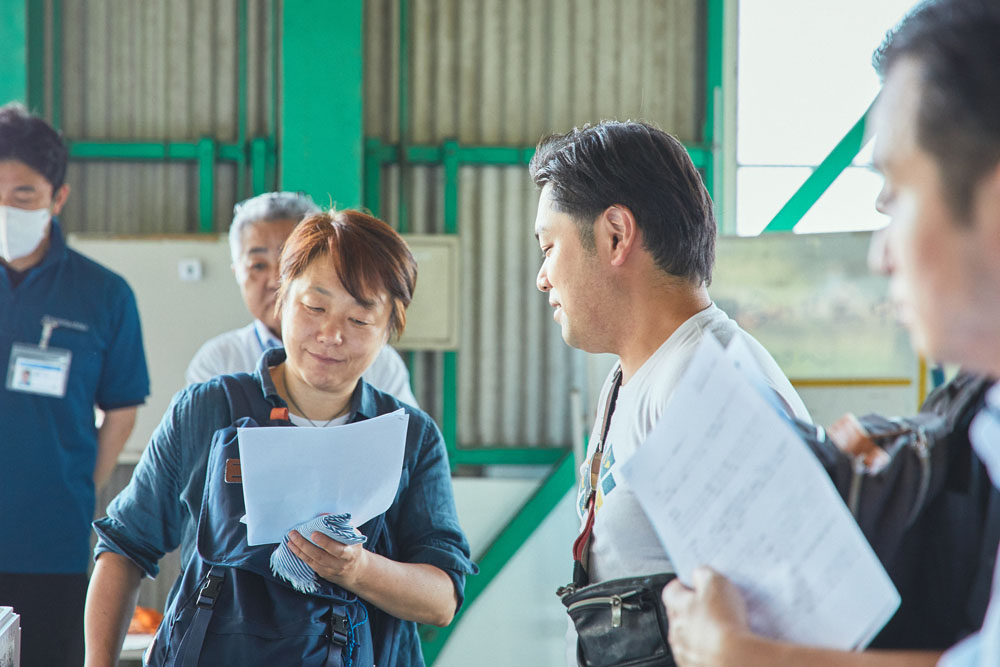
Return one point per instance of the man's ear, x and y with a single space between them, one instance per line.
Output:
616 229
59 198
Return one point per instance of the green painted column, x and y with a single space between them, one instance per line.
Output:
14 59
320 129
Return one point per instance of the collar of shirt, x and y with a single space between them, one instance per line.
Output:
362 400
266 339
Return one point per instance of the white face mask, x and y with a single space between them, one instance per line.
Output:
21 231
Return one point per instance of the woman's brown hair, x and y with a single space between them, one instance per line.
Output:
369 256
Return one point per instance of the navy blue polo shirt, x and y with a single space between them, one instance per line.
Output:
48 445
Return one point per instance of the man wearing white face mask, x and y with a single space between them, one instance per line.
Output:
70 341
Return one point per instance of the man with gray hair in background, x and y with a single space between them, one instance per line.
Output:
259 229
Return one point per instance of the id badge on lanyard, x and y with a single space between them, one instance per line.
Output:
40 369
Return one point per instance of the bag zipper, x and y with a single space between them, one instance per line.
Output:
616 602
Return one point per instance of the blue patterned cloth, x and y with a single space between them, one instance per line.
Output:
290 567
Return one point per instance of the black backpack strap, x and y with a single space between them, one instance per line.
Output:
245 399
189 651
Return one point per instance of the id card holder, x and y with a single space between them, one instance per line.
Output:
37 370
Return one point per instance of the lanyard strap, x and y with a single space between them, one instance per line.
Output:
581 547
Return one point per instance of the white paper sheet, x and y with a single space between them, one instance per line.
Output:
726 482
292 474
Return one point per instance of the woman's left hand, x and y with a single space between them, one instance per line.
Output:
342 564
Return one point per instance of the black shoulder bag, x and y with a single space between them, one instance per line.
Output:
618 622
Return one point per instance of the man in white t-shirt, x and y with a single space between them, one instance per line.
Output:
627 231
258 231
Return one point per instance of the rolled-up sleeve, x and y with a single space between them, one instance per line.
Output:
427 527
148 518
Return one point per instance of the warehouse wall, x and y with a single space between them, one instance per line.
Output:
498 72
155 70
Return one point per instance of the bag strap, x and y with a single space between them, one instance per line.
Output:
581 546
189 650
245 399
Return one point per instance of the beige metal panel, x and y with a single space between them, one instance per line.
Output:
509 71
432 316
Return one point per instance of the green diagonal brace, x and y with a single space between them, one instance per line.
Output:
820 180
503 548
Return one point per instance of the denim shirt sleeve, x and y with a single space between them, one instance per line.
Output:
426 525
149 517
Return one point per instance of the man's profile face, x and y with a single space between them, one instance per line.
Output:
935 259
256 268
569 275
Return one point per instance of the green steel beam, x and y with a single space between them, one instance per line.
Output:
151 150
451 158
711 162
36 56
133 150
376 151
506 544
206 183
321 100
449 397
258 164
825 174
505 455
14 64
449 406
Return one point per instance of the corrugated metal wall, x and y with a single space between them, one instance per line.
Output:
156 70
481 71
506 72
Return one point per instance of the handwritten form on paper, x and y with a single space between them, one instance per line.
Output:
292 474
727 483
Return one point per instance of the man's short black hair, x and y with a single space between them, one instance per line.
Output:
34 142
956 43
644 169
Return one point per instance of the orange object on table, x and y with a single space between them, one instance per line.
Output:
145 621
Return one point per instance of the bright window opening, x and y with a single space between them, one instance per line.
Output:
805 77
